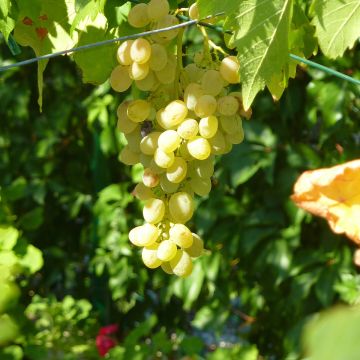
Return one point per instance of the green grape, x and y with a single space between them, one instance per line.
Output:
157 9
205 106
123 53
167 186
120 79
149 256
166 250
176 173
167 74
134 139
181 235
236 137
212 82
149 83
218 143
230 124
200 186
124 124
199 148
148 144
140 51
145 160
229 69
204 168
208 126
192 94
138 16
174 113
154 210
181 207
156 168
138 71
227 105
149 178
167 268
193 12
188 129
161 119
159 57
184 152
193 73
129 157
169 141
142 192
138 110
181 264
197 247
163 159
164 22
145 235
134 235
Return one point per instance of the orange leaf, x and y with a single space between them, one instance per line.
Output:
334 194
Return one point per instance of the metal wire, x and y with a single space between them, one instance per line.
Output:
188 22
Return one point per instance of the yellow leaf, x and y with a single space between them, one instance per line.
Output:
334 194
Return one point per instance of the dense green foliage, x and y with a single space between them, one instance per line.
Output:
66 209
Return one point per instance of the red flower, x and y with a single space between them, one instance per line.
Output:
103 341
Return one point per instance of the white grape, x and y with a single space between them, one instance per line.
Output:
164 22
159 57
123 53
230 124
205 106
167 186
197 247
229 69
212 82
217 143
194 12
181 235
199 148
169 141
157 9
140 51
175 112
208 126
124 124
149 256
138 71
142 192
120 79
138 110
133 140
129 157
177 171
181 264
227 105
200 186
163 159
149 83
192 94
148 144
166 250
181 207
188 129
154 210
149 178
167 74
138 16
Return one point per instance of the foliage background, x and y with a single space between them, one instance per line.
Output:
268 269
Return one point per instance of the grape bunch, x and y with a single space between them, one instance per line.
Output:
175 135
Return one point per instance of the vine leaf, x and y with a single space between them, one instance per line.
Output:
44 26
337 25
261 36
7 23
334 194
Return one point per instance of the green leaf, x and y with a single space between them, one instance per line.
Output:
94 70
261 36
46 31
32 260
337 25
8 237
334 335
32 219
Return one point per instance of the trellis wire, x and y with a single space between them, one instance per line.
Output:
188 22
